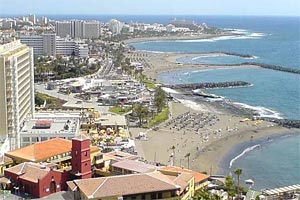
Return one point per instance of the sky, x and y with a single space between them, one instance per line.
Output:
152 7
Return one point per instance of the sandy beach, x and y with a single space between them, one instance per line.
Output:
208 146
156 63
193 36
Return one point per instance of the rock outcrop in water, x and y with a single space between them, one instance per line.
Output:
195 86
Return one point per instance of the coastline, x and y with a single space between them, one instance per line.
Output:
179 37
206 155
242 148
215 153
165 62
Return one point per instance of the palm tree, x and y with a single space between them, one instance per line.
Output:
173 149
188 157
238 172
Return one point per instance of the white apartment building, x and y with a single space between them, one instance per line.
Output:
91 29
63 29
16 89
65 46
115 26
32 18
42 44
81 50
52 45
78 29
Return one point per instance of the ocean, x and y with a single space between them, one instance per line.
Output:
270 40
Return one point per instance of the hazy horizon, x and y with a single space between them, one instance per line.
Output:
155 7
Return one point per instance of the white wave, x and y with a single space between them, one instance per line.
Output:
148 51
207 56
169 90
193 105
252 57
261 111
242 154
257 34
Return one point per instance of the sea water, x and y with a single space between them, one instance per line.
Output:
270 40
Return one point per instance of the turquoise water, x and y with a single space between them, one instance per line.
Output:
273 93
216 60
272 40
270 172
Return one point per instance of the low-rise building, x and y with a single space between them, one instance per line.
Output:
131 167
43 168
36 179
201 180
56 151
154 185
42 130
112 121
46 126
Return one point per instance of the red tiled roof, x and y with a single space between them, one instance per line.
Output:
29 171
41 151
123 185
134 165
199 177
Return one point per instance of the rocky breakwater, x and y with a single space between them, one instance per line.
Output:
288 123
274 67
210 85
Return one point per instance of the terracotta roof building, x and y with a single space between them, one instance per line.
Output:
126 186
153 185
62 160
36 179
56 150
201 180
131 167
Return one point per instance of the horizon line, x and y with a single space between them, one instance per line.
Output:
94 14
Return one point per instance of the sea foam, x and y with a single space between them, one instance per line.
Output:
243 153
261 111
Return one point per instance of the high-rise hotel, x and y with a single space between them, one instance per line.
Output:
16 89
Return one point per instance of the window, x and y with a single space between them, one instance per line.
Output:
44 138
160 195
153 196
85 153
34 139
26 139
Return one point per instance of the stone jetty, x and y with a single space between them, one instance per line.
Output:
274 67
210 85
288 123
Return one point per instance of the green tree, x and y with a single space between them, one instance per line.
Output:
229 186
141 112
238 172
159 99
203 194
